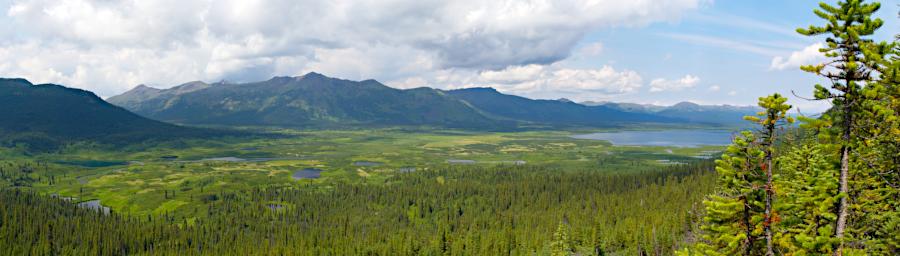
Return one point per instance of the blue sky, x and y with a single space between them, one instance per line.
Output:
644 51
730 44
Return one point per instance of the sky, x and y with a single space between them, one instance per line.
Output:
642 51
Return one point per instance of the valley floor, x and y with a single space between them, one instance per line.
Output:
590 189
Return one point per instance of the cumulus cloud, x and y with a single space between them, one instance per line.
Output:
107 46
809 55
661 84
539 81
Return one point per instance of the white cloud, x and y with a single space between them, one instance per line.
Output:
661 84
715 88
539 81
108 46
809 55
732 93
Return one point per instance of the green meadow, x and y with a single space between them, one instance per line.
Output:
174 178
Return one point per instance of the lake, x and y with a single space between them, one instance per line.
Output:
668 138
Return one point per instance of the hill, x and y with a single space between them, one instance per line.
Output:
46 116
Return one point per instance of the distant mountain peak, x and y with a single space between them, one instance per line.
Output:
686 104
313 75
143 87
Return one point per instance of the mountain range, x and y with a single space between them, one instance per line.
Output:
48 115
724 115
316 101
308 101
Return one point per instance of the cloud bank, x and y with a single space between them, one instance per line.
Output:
110 46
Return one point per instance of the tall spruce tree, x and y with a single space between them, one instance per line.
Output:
848 26
770 120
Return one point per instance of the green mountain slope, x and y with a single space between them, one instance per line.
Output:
46 116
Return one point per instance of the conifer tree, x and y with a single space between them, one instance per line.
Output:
735 213
561 243
809 185
773 116
848 26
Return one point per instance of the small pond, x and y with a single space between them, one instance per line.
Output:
308 173
94 205
367 163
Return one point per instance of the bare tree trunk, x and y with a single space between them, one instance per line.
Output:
749 231
769 198
770 192
842 207
843 186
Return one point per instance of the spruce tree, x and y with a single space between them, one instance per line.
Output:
735 213
809 185
561 243
773 116
848 26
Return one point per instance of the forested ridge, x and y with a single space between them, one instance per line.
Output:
501 210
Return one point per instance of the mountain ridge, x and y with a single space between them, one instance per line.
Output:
46 116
